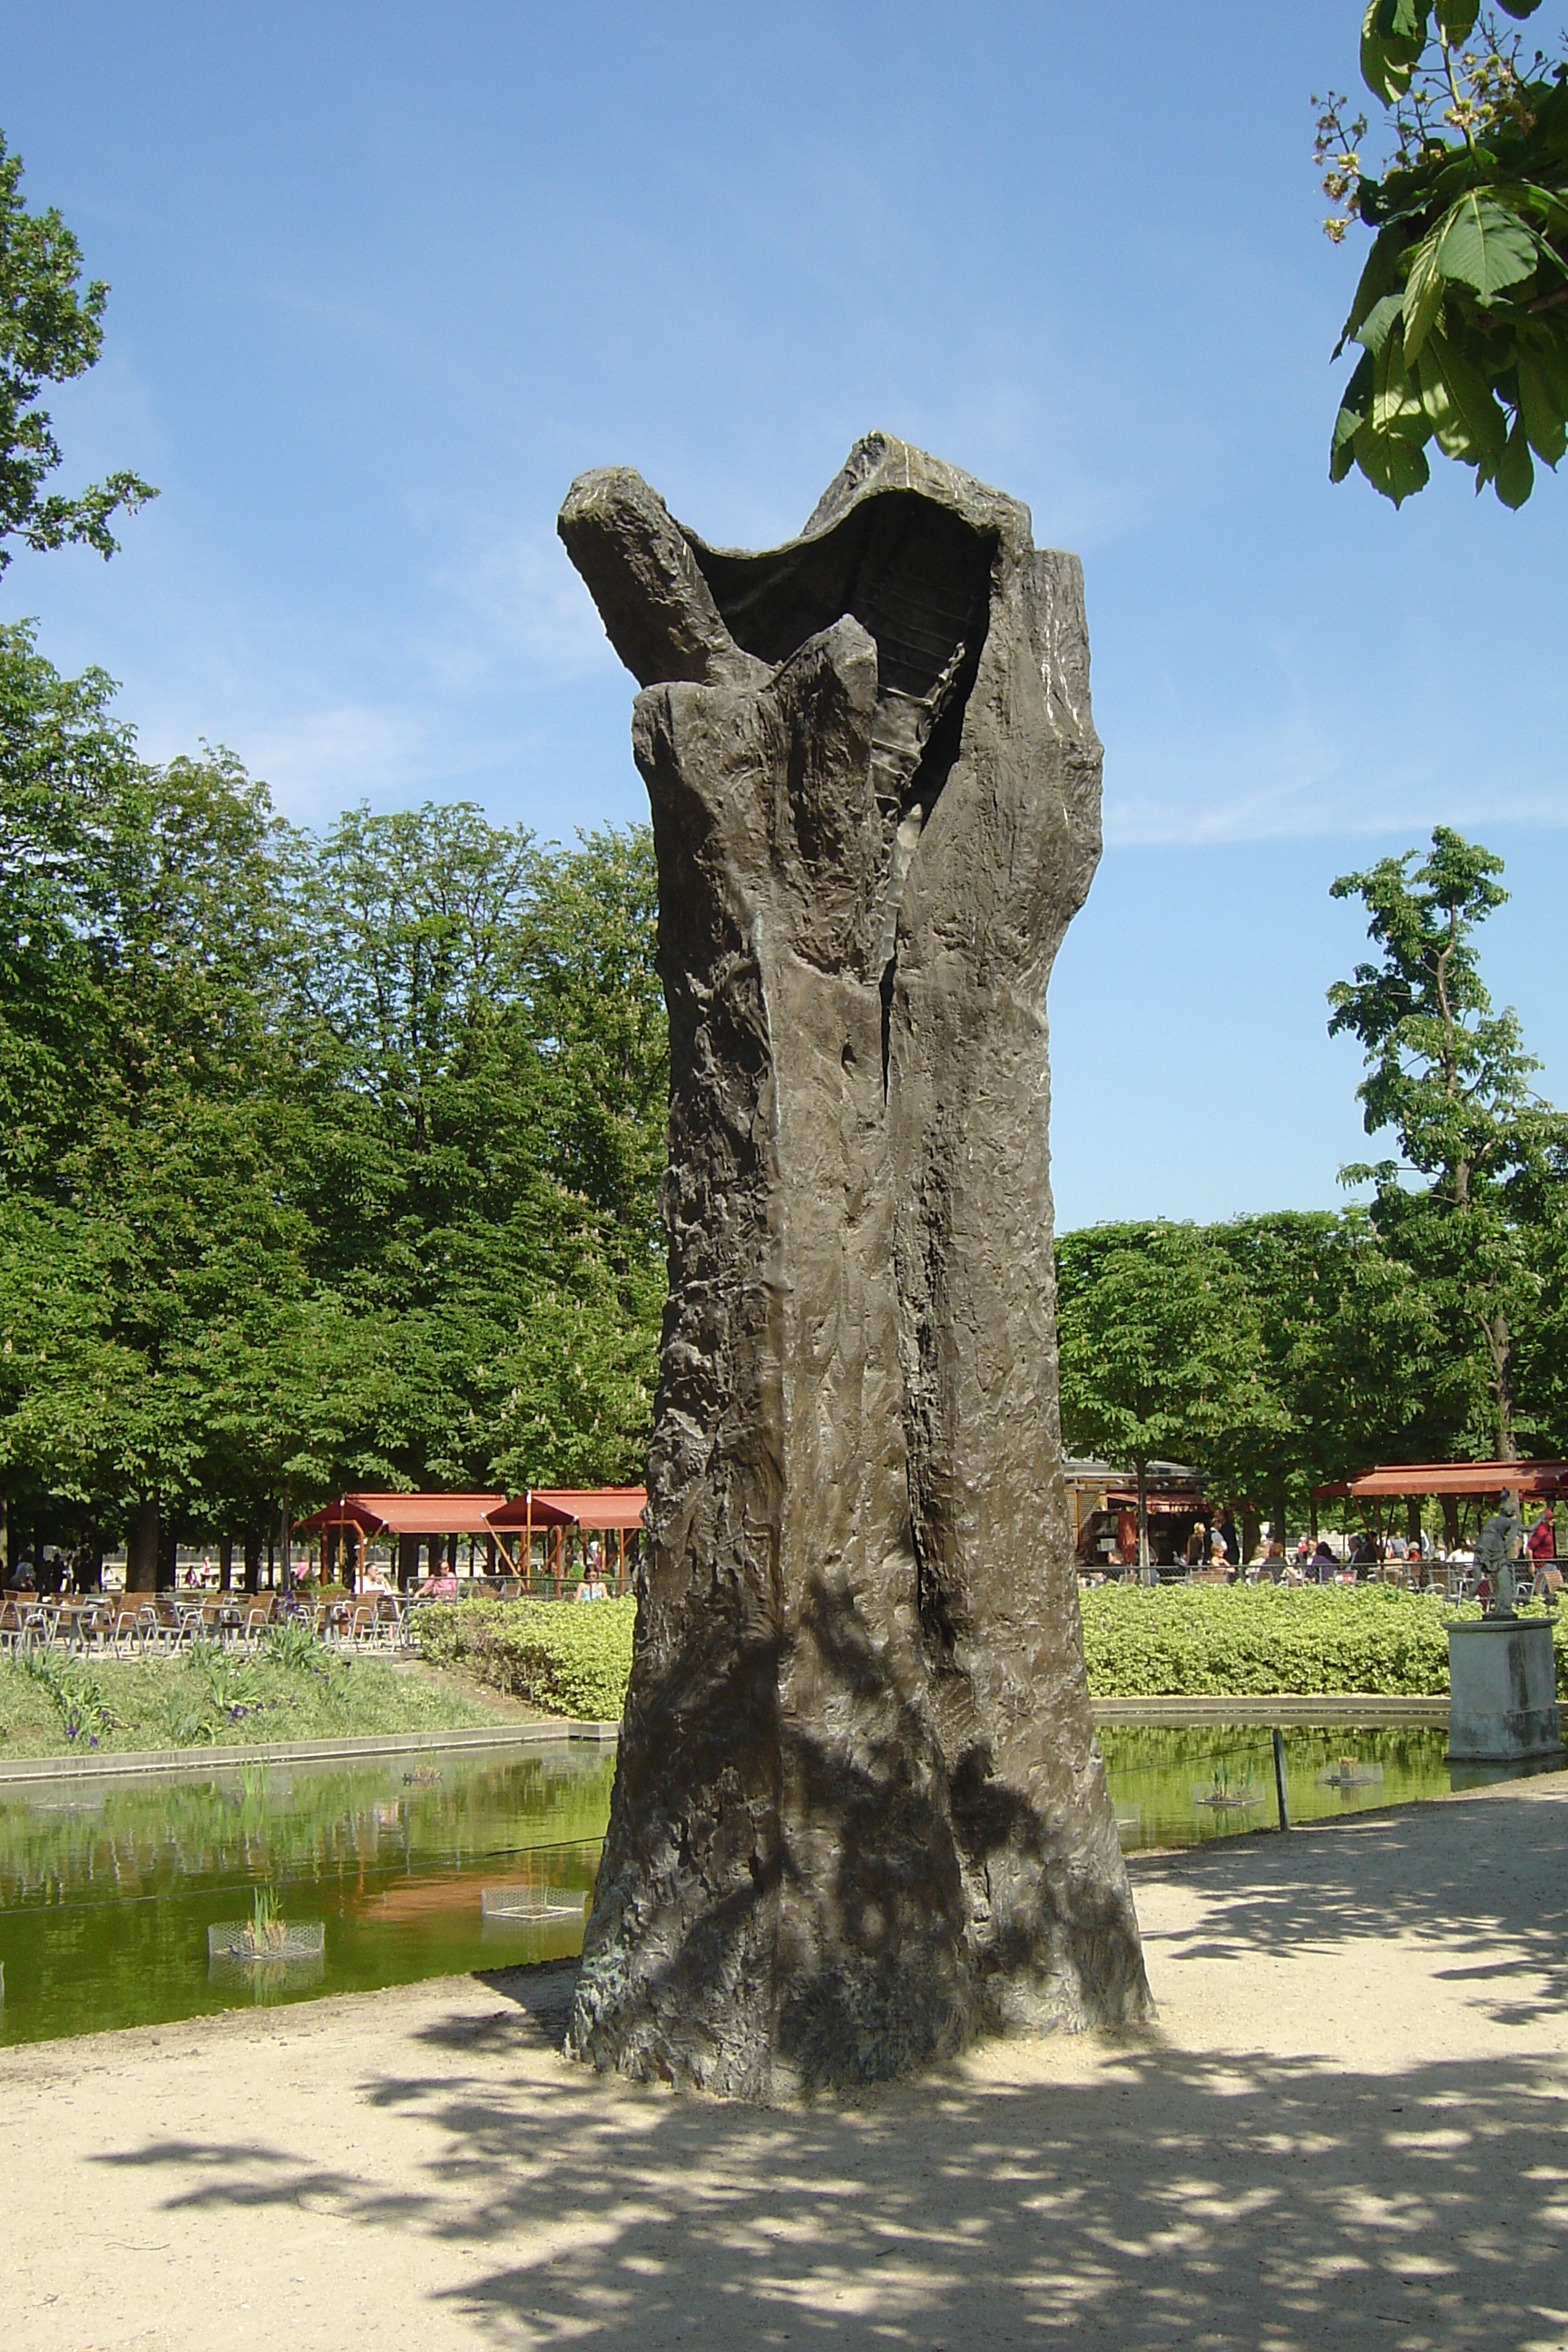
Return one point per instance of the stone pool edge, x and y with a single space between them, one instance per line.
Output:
1365 1709
146 1762
1324 1711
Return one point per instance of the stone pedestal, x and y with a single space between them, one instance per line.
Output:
1503 1683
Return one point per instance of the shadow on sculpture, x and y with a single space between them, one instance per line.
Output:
859 1815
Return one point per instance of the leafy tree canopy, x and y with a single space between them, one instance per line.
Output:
51 329
1160 1348
1450 1079
323 1162
1461 312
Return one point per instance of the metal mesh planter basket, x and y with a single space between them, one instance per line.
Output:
1350 1773
526 1907
288 1944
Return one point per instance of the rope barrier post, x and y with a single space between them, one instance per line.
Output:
1280 1790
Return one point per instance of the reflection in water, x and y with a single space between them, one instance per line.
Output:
1181 1787
107 1894
105 1905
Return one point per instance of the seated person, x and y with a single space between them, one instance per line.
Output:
442 1586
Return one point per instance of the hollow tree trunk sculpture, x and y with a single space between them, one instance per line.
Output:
859 1813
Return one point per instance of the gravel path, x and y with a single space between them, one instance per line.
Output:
1350 2125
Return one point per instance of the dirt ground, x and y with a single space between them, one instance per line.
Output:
1352 2124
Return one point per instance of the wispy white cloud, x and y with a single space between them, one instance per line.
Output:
319 762
1292 777
515 604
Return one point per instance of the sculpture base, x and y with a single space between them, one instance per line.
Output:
1502 1691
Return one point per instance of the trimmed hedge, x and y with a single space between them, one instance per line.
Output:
569 1660
1180 1641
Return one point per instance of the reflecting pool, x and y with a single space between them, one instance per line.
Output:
108 1892
1179 1788
128 1904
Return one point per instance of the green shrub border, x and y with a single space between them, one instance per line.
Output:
570 1659
1194 1641
1178 1640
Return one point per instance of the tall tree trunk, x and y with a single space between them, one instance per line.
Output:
168 1555
1145 1566
1412 1518
142 1547
859 1810
1501 1339
407 1562
1251 1532
225 1564
253 1560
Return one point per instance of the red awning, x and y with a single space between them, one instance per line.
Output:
1469 1478
406 1515
572 1507
344 1513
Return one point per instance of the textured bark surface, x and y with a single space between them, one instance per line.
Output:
859 1814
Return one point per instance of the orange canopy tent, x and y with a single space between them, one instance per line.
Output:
1466 1478
409 1519
598 1510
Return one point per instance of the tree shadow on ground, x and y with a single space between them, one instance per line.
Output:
1155 2196
1497 1907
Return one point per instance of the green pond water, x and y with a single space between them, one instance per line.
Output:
1179 1788
108 1891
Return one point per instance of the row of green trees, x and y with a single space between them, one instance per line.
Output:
334 1161
323 1160
1429 1323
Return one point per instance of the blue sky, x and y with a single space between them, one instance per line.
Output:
386 277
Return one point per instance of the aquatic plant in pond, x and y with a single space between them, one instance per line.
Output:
1232 1786
266 1919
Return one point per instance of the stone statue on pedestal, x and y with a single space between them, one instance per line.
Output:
1498 1547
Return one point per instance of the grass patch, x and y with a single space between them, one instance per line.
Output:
567 1660
1194 1641
52 1706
